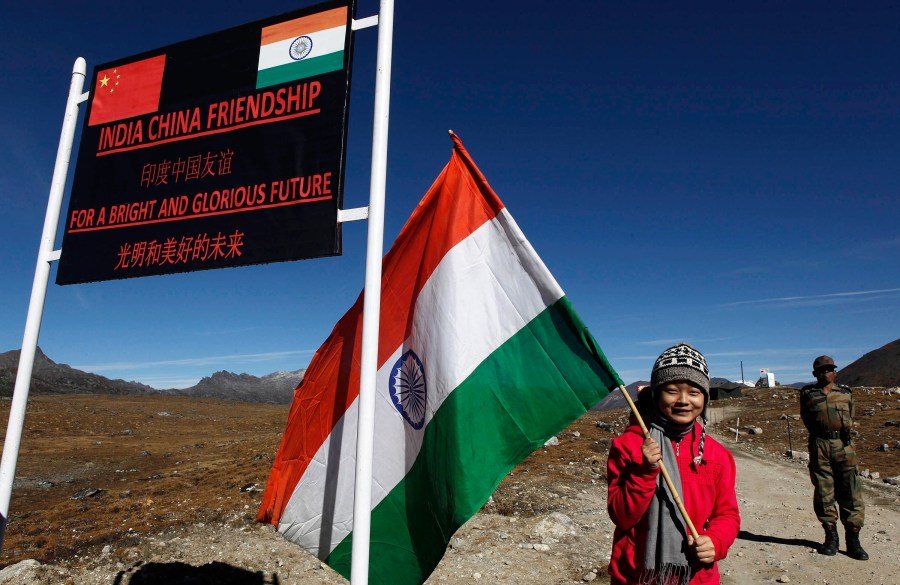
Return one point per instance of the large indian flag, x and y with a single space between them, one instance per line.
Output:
481 359
302 47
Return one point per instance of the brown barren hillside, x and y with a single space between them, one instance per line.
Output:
880 367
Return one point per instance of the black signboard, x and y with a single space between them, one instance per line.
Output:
225 150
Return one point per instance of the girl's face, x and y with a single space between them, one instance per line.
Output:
681 402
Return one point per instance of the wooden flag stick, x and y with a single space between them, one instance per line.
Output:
662 468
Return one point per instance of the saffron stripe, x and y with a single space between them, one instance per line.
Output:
304 25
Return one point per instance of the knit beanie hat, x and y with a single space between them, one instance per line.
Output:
681 363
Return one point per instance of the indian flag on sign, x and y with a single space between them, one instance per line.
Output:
303 47
481 359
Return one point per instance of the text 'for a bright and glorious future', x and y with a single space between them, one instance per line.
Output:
280 192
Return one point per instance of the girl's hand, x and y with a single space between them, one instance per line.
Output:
703 548
651 452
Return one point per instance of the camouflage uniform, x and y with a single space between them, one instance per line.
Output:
832 459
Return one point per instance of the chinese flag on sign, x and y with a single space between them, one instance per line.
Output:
127 90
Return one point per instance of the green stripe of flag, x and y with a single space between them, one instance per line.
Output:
548 374
300 69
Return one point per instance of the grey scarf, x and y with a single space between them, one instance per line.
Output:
665 560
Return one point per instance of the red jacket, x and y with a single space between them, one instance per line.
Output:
707 492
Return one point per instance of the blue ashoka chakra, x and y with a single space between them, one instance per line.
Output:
407 387
301 47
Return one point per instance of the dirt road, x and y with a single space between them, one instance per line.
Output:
779 532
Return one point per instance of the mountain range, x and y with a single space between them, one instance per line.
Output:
878 368
49 377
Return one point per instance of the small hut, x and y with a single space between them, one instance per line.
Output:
722 390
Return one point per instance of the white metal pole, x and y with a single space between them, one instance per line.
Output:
362 502
38 293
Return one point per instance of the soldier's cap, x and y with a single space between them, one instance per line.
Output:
823 362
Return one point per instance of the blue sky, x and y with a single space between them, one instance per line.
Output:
720 173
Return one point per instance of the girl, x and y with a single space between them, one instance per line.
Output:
652 544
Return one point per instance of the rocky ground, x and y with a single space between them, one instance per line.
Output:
134 491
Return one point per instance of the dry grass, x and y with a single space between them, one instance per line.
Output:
164 462
157 461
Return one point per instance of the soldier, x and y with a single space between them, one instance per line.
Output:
827 411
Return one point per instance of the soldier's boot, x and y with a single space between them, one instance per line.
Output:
830 546
854 549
